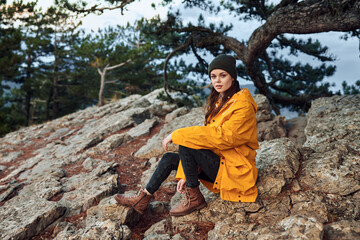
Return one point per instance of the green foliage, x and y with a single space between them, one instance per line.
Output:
49 67
282 75
115 45
351 89
184 100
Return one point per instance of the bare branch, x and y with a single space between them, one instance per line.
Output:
303 49
119 65
283 3
96 8
270 69
201 61
113 81
305 17
290 16
166 84
283 90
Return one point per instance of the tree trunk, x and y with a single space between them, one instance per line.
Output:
55 96
48 101
303 17
33 109
28 91
27 107
103 79
102 86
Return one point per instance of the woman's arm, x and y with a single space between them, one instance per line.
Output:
165 142
237 130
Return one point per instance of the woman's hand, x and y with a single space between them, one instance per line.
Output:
165 142
180 186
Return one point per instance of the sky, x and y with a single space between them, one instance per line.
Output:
346 52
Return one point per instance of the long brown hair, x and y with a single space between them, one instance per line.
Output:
211 108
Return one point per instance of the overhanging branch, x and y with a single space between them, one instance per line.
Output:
96 7
305 17
166 84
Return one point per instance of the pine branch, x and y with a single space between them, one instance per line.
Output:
95 7
181 47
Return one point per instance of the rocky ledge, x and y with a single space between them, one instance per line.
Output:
57 179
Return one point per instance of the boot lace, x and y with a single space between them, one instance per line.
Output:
139 193
186 199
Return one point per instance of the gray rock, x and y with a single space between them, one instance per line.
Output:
178 237
26 216
107 230
58 133
333 135
310 205
10 190
343 207
336 171
109 209
46 188
158 237
10 157
156 106
228 229
343 230
271 129
83 190
117 140
61 229
153 147
292 227
143 129
92 133
263 113
157 228
294 202
2 168
176 113
295 130
27 164
114 141
271 211
90 163
333 121
278 162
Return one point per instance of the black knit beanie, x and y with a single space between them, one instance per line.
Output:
224 62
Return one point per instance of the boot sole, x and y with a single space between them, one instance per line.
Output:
188 212
126 205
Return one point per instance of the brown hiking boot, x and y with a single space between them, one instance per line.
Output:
139 203
193 200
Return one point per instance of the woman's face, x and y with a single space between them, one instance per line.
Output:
221 80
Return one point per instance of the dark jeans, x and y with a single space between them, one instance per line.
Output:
190 158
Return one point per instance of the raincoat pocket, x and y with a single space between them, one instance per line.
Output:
236 175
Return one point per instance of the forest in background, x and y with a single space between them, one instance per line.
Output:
50 67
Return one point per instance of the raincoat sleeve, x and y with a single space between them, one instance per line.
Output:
235 131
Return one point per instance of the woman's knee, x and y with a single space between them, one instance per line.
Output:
183 149
170 160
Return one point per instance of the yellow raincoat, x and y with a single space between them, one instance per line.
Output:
231 134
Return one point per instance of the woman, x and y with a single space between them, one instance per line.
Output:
220 154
